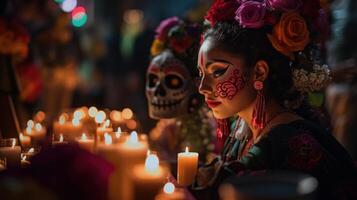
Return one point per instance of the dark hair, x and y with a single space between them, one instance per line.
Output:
253 45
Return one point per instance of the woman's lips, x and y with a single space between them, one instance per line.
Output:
212 103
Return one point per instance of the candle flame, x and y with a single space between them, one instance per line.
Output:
61 138
92 111
84 137
106 123
32 150
13 143
118 133
186 150
62 119
108 139
30 124
75 122
38 127
133 138
100 117
169 188
152 163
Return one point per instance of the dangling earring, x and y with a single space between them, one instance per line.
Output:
222 132
259 115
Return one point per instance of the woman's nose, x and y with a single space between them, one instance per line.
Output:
204 87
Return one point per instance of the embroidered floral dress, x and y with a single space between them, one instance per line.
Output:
297 146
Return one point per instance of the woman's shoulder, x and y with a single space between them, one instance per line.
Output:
297 128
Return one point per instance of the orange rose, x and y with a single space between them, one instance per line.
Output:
290 34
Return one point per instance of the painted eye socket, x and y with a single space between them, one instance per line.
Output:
152 80
219 72
173 81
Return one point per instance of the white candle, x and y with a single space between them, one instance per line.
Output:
37 132
108 150
11 152
69 129
85 143
60 142
186 167
104 129
130 153
148 178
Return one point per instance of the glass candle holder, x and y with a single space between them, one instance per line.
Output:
10 149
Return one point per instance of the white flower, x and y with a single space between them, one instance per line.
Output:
306 81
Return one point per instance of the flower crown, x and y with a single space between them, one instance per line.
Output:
295 26
175 34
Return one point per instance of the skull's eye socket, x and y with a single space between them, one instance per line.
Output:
152 80
173 81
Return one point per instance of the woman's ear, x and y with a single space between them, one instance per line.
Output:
261 71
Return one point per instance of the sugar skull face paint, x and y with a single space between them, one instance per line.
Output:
229 88
169 87
225 80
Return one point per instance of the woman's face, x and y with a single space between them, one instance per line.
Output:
225 80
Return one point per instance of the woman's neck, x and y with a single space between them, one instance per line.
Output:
272 108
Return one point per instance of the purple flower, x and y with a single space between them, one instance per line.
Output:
284 5
165 26
250 14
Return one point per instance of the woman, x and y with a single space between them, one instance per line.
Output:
253 63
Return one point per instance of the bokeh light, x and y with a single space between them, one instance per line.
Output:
127 113
68 5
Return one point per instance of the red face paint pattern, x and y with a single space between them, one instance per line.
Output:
229 88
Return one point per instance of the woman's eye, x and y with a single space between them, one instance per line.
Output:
219 72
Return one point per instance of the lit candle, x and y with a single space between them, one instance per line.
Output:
108 150
25 141
30 153
11 152
130 153
104 128
37 132
69 129
187 164
148 178
85 143
24 162
60 142
169 192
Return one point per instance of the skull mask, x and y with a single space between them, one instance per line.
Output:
169 86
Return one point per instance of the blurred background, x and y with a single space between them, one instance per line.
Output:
74 53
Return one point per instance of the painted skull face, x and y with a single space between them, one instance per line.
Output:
169 86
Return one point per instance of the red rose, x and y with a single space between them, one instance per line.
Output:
180 44
310 8
222 10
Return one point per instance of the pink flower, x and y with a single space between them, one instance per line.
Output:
251 14
284 5
165 26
